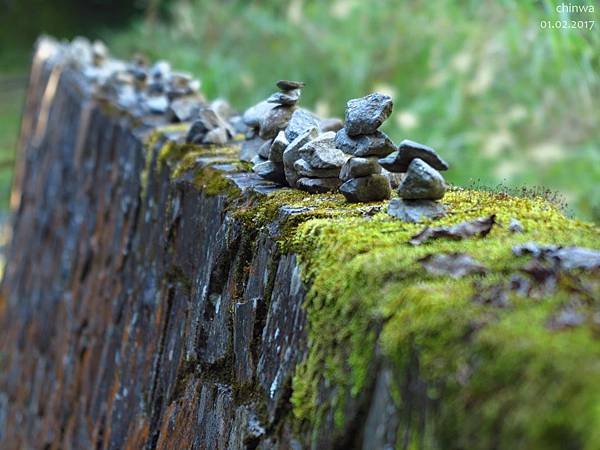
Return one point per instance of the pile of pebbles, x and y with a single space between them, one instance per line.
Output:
422 184
364 143
267 121
154 92
293 146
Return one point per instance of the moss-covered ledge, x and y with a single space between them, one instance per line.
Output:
491 375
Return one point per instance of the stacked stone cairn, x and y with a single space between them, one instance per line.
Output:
422 184
267 121
364 143
293 146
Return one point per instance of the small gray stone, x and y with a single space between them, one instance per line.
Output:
359 167
257 159
161 70
238 125
270 171
289 85
274 121
422 182
157 104
318 185
394 178
264 149
364 115
300 121
407 151
288 98
217 136
278 147
515 226
222 108
304 169
376 144
185 108
414 211
99 53
321 153
206 121
253 115
250 148
292 153
366 189
331 124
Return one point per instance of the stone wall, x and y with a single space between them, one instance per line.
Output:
148 307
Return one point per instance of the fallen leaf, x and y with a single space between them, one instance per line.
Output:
494 295
480 227
566 258
456 265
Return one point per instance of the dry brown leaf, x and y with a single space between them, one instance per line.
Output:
456 265
480 227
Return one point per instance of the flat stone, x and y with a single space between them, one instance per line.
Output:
222 108
422 182
158 104
414 211
270 171
321 153
274 121
318 185
359 167
161 70
407 151
376 144
515 226
206 121
253 115
217 136
331 124
184 109
304 169
289 85
292 153
366 189
250 148
278 147
394 178
257 159
300 121
288 98
265 149
364 115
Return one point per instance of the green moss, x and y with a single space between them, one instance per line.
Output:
368 291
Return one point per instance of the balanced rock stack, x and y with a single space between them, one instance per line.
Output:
364 143
318 168
269 119
422 184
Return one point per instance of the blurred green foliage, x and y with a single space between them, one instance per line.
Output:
501 98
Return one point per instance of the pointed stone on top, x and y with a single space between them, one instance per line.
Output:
408 150
364 115
289 85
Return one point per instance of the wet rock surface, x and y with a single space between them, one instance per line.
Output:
364 115
400 160
366 189
422 182
415 210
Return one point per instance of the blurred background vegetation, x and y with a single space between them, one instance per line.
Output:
503 100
